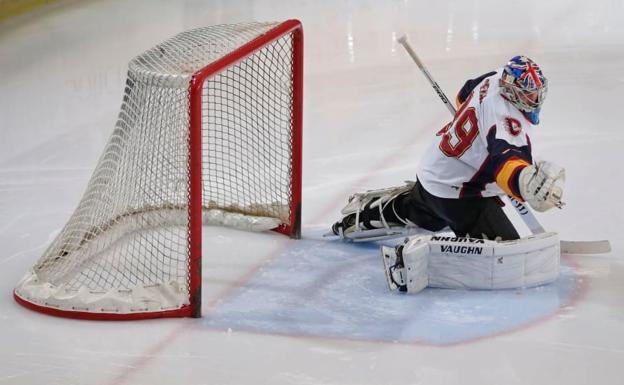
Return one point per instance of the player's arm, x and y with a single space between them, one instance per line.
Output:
508 172
507 160
540 183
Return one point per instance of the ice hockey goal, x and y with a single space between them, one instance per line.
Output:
209 132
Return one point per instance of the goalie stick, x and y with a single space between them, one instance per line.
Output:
569 247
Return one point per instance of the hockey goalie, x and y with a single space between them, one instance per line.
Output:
483 154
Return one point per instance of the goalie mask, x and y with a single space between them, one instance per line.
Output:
525 86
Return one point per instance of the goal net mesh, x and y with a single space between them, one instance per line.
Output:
125 248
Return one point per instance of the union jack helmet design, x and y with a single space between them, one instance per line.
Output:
525 86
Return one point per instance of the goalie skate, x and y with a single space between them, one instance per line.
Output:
363 216
372 235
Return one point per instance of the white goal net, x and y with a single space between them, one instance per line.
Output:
209 128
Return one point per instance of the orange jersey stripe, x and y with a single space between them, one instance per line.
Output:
458 102
504 175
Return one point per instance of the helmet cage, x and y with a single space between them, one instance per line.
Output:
520 96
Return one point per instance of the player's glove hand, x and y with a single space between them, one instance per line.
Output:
541 185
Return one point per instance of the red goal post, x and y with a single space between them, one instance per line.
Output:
293 229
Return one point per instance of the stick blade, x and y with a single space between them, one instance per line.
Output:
585 247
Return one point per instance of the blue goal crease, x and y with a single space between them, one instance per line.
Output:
326 288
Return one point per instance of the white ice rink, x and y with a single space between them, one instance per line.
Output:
278 311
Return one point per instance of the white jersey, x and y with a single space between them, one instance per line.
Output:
480 153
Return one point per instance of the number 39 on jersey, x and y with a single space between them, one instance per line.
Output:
457 136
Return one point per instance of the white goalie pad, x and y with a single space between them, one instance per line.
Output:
383 234
465 263
351 228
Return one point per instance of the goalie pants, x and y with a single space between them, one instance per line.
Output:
475 217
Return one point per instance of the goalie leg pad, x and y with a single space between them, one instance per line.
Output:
406 275
363 216
465 263
393 267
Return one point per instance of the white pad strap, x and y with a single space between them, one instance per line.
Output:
392 232
377 200
453 263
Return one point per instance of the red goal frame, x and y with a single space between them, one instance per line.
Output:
195 142
293 229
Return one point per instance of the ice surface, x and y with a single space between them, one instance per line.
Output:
279 311
334 289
